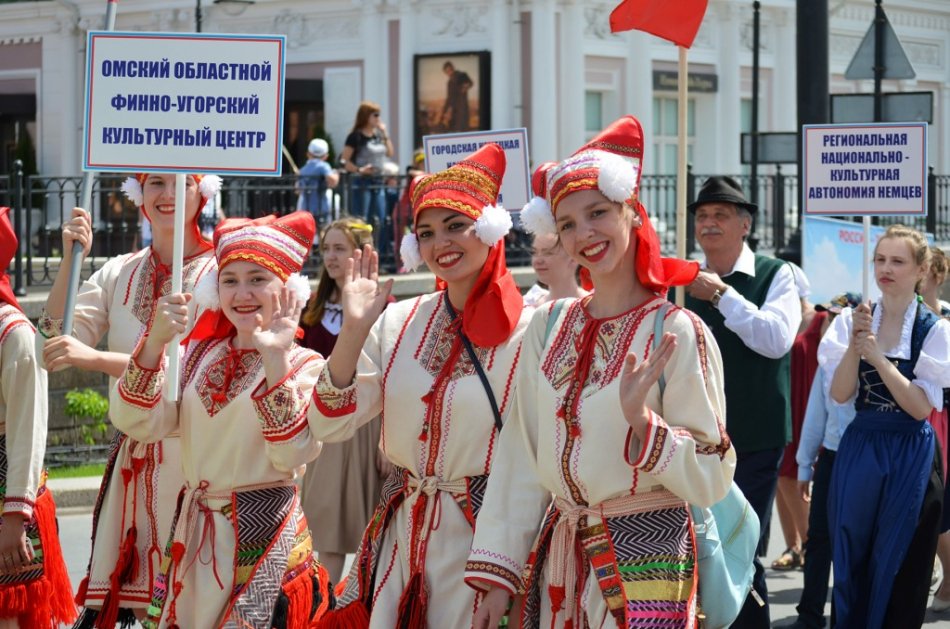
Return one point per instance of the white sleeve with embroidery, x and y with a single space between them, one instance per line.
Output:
686 447
336 414
137 406
515 501
282 412
23 392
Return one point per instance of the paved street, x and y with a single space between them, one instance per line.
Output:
784 587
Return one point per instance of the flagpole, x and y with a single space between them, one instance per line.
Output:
683 109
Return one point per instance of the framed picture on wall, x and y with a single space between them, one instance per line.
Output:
452 93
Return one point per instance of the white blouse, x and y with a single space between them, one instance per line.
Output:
932 371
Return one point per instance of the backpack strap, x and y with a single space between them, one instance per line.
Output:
478 369
552 318
658 334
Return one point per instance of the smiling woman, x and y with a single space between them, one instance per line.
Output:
136 500
245 387
439 368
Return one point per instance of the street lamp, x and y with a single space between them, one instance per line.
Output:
237 7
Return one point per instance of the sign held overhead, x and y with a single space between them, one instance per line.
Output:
865 170
184 103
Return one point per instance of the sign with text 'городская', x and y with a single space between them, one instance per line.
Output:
182 102
866 169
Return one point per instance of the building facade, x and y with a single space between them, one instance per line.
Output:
552 66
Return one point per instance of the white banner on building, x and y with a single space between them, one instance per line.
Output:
445 150
865 169
183 102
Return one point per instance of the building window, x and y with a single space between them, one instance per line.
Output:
666 131
593 111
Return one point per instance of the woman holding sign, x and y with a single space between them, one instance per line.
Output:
132 516
891 360
440 369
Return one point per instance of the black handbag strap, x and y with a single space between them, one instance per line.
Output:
478 367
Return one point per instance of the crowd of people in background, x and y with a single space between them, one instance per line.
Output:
485 454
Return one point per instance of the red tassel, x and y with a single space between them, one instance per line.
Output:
60 599
126 568
177 552
299 594
427 398
81 592
557 595
413 604
352 616
575 430
48 600
424 434
562 412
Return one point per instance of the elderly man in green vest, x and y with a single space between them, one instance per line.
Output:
750 303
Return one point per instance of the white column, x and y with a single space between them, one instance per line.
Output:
543 136
375 54
638 97
60 104
941 161
502 108
407 35
729 96
784 82
573 81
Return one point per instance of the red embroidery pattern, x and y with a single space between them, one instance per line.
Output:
282 411
149 281
140 386
436 346
333 402
611 346
216 386
11 318
718 449
651 460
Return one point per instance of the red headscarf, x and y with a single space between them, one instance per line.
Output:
8 243
470 188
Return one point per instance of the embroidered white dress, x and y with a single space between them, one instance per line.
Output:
245 438
444 445
567 436
37 594
116 302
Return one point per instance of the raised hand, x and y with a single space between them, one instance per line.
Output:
637 378
77 229
278 338
362 296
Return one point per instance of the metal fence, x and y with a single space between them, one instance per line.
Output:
41 203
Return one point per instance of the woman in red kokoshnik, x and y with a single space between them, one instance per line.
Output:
132 515
34 585
240 552
590 424
435 367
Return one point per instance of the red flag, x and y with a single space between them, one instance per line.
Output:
674 20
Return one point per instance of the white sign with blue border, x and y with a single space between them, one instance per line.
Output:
443 151
184 103
865 169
